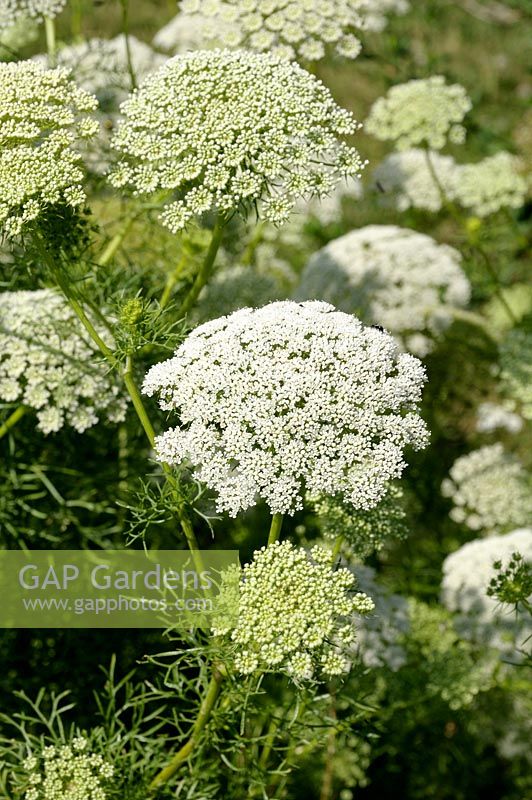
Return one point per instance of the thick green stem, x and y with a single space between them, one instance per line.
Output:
112 247
136 399
76 15
205 270
275 528
89 327
171 282
12 420
251 249
207 705
51 45
125 30
337 546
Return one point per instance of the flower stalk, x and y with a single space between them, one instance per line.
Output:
205 270
275 528
12 420
207 705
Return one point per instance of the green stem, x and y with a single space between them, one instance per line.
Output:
136 399
205 270
89 327
12 420
497 286
51 45
171 282
275 528
450 206
207 705
337 546
76 14
145 421
125 29
268 744
113 245
249 252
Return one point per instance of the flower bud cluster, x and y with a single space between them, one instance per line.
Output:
68 772
295 613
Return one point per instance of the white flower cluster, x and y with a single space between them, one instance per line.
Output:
225 129
493 416
235 287
101 67
390 276
491 184
515 359
379 634
295 29
363 532
47 363
490 490
289 28
12 11
466 577
287 398
43 114
420 112
67 772
405 180
295 613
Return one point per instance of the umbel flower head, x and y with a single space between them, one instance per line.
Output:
420 112
43 115
490 490
287 398
406 180
393 277
67 772
293 29
491 184
294 613
47 363
12 11
221 130
363 532
467 575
